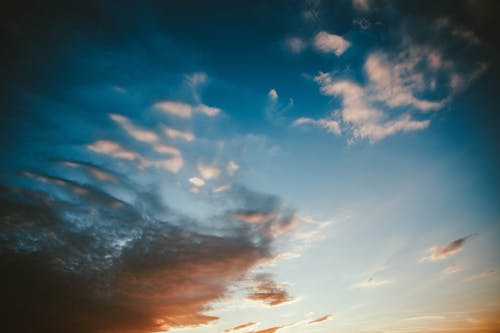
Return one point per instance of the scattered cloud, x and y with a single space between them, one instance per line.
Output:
372 282
184 110
113 149
440 252
268 330
208 171
93 170
321 319
222 188
268 291
451 270
134 131
295 45
167 149
363 5
331 126
273 95
179 109
177 134
232 167
197 181
255 217
330 43
239 327
481 276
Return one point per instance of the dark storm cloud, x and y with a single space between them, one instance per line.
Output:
91 268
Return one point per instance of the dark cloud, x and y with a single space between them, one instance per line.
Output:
89 266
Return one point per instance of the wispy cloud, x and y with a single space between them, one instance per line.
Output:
295 45
239 327
184 110
440 252
178 134
481 276
321 319
134 131
372 282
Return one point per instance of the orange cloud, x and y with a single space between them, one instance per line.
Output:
440 252
268 330
239 327
268 291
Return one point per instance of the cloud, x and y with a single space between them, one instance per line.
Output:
232 167
330 43
177 134
90 267
372 282
268 330
95 171
273 95
197 181
222 188
184 110
134 131
166 149
451 270
113 149
363 5
254 217
295 44
331 126
321 319
440 252
208 171
268 291
239 327
481 276
179 109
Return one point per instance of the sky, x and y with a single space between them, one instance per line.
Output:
250 166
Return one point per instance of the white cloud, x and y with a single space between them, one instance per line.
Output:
208 171
134 131
273 94
295 44
112 149
179 109
331 126
330 43
232 167
222 188
208 110
177 134
166 149
173 164
197 181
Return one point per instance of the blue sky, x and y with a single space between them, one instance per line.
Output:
254 167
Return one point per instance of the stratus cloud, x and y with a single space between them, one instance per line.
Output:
184 110
134 131
330 43
177 134
239 327
440 252
268 291
321 319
